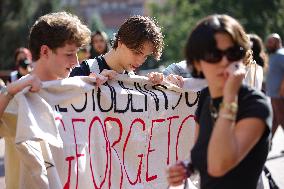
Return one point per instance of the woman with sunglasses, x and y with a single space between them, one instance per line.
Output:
233 121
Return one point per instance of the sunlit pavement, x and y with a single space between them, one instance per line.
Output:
275 162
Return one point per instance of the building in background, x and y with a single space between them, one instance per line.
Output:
111 13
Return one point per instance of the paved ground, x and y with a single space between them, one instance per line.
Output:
2 148
275 162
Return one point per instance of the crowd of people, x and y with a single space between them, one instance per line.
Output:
235 119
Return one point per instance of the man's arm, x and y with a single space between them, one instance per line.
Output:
281 90
15 87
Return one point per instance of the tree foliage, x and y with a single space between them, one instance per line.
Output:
97 23
178 17
16 18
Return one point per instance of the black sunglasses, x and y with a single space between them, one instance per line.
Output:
233 54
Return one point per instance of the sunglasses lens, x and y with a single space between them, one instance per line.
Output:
213 57
235 54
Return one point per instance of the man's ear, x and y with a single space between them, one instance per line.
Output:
119 43
44 51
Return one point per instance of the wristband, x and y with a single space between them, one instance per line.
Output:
232 107
5 92
230 117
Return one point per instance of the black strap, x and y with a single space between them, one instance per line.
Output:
101 63
272 184
82 70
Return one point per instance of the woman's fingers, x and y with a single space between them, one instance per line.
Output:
176 174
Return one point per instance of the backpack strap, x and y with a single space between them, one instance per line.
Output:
95 65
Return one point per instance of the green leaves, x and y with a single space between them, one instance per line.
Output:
178 17
16 18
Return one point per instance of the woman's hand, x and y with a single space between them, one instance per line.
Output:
176 174
235 74
175 79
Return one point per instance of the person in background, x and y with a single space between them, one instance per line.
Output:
233 121
255 74
179 68
24 68
23 63
257 46
99 44
22 53
275 79
83 53
2 83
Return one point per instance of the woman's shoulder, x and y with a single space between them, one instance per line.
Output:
248 93
254 103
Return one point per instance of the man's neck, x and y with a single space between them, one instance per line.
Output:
113 61
43 72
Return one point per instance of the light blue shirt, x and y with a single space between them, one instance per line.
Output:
180 69
275 73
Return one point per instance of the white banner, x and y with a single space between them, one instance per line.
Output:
123 134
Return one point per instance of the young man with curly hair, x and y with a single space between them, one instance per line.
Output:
137 38
54 41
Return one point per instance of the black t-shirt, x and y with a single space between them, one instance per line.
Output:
251 103
84 68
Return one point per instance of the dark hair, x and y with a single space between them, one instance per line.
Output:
202 40
136 30
258 51
56 30
24 63
24 50
93 51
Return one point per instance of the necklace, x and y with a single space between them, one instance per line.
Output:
213 111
